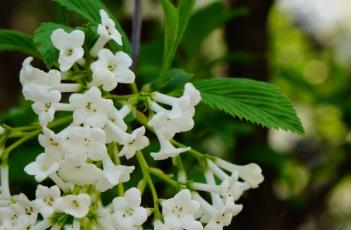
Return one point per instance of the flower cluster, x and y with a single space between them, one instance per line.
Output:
83 158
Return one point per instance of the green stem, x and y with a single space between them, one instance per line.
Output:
115 155
33 134
145 170
197 154
160 174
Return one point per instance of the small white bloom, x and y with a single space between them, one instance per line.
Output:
116 134
192 93
46 106
127 210
109 69
30 210
231 188
179 211
158 225
104 219
223 217
75 170
250 173
44 165
113 174
74 205
116 119
87 141
13 217
168 125
167 150
137 142
90 108
45 198
107 28
51 142
70 47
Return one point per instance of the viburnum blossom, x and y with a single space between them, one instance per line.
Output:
70 47
89 132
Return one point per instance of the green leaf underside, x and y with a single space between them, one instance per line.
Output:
42 41
176 79
176 20
16 41
89 10
258 102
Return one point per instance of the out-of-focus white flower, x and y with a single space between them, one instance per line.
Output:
44 165
179 211
30 211
2 130
74 169
250 173
46 106
167 150
70 47
45 198
158 225
110 69
231 188
87 141
104 219
128 213
13 217
223 217
137 141
74 205
107 31
90 108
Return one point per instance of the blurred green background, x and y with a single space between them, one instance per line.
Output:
302 46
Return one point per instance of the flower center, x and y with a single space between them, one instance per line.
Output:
89 107
53 143
177 210
47 106
128 212
69 52
111 67
28 211
75 204
49 200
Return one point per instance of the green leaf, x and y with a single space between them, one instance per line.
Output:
89 9
176 20
205 20
16 41
42 41
176 79
254 101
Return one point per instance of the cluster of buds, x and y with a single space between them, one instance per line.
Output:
83 158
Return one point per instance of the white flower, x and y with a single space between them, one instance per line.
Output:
36 81
44 165
127 210
179 211
116 134
90 108
74 205
75 170
192 93
107 31
30 211
87 141
109 69
70 47
104 219
231 188
51 142
158 225
167 150
113 174
45 198
46 106
137 142
250 173
117 119
223 217
107 28
168 125
13 217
